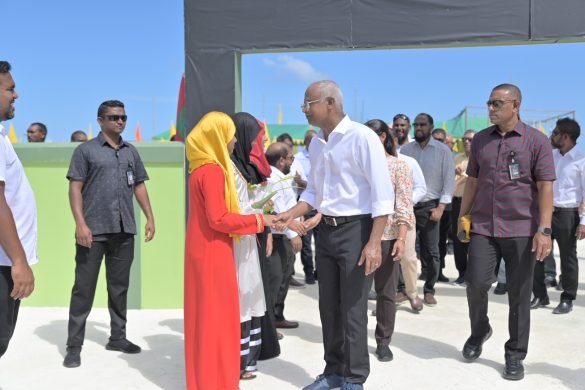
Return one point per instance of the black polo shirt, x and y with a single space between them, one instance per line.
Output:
107 196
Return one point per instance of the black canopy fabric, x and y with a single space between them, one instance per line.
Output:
217 32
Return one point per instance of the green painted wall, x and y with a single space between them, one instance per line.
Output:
157 271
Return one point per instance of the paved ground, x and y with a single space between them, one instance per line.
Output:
426 349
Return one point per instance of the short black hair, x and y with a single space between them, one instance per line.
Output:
275 152
429 117
77 132
108 104
41 125
570 127
440 131
5 67
284 137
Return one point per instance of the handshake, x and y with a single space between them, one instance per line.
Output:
285 221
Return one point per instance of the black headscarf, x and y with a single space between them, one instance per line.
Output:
247 128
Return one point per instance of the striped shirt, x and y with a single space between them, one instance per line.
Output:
503 207
436 162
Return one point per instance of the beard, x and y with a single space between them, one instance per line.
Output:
286 169
421 137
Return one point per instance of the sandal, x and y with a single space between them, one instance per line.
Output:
247 376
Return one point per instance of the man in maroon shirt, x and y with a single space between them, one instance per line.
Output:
510 198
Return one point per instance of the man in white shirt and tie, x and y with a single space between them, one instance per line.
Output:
567 225
354 196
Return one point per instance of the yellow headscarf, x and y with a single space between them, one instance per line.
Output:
207 144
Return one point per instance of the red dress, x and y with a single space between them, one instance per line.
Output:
212 313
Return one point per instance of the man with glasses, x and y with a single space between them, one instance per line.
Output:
460 248
18 220
509 194
354 197
436 162
285 243
567 225
401 126
104 176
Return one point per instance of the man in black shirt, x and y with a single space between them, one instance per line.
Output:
104 174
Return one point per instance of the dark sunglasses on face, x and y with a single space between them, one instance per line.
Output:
497 104
116 118
416 124
467 139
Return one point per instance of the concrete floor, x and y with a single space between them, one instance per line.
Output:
426 346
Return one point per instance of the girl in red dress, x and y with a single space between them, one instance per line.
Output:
212 315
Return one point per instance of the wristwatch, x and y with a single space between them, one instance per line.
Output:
545 230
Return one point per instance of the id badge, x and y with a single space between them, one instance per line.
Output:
130 177
514 170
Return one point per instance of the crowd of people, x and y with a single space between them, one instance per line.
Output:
369 196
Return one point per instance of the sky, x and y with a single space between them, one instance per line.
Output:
67 58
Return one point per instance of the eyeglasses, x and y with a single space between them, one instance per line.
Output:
291 158
401 116
306 106
116 118
467 139
416 124
554 133
497 104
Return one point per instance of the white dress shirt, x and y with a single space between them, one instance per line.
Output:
285 198
569 188
419 186
21 200
348 175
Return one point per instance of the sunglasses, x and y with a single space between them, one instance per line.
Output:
467 139
401 116
416 124
116 118
497 104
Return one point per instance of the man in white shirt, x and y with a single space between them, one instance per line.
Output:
401 127
18 220
285 243
567 225
354 196
302 160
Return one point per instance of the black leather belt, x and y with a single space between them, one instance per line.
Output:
432 202
336 221
565 209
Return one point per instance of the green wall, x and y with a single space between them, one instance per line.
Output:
157 271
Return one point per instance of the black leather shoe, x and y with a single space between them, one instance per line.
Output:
442 278
286 324
73 358
310 278
563 308
123 345
538 302
501 289
383 353
295 283
473 347
514 370
550 281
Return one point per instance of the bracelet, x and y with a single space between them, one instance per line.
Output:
259 223
401 239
